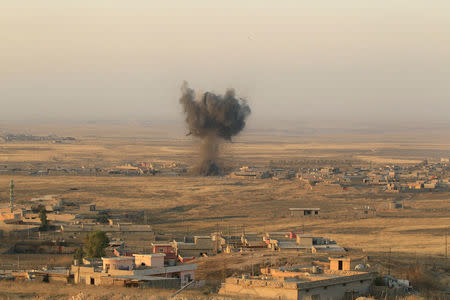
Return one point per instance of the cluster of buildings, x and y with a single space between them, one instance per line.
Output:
424 177
9 137
146 168
139 270
427 176
247 172
126 169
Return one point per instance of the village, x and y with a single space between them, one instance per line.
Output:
136 255
423 177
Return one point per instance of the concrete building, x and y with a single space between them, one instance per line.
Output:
117 231
121 271
55 275
300 284
49 202
118 263
155 260
305 240
167 249
299 212
11 215
344 263
295 242
202 245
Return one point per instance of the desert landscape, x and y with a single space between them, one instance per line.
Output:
358 216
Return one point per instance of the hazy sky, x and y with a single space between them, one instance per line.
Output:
296 60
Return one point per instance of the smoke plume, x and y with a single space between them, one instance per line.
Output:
213 118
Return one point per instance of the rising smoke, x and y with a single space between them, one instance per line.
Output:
213 118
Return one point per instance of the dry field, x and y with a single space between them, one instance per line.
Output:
202 205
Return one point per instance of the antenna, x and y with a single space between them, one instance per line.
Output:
11 195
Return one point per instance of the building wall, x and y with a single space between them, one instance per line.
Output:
125 263
186 276
301 213
149 260
346 264
81 272
166 249
280 274
305 241
168 283
192 249
337 291
283 290
270 291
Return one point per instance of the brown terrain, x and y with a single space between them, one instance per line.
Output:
199 205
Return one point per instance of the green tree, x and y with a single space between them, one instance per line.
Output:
79 254
95 244
43 217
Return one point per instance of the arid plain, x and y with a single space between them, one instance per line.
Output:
200 205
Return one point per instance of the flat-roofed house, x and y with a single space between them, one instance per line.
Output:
202 245
149 260
293 284
307 211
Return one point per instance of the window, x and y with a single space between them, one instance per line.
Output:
340 265
92 281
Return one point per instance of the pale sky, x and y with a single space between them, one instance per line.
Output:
297 60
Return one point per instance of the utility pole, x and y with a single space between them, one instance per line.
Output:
446 246
389 262
11 195
251 259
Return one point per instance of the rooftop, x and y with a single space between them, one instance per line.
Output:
303 280
118 258
150 254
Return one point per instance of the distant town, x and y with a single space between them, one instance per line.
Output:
134 255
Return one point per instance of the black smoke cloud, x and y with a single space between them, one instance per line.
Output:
213 118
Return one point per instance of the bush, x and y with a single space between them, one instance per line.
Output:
421 279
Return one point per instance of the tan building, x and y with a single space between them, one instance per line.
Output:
118 263
344 263
49 202
117 231
10 214
149 260
291 285
202 245
300 211
121 271
305 240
